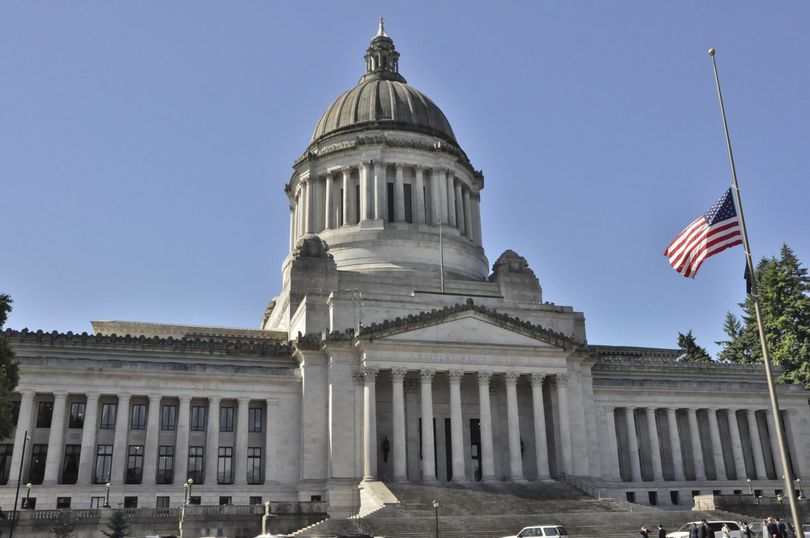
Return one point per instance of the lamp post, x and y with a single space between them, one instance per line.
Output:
436 510
750 489
107 498
28 487
799 487
189 483
781 506
17 495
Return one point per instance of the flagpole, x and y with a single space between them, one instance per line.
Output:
780 434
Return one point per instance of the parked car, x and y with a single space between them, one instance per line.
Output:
714 529
806 529
541 530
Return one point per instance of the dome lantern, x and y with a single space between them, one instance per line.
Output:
382 59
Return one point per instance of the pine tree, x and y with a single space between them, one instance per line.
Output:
64 524
784 297
118 525
690 351
8 372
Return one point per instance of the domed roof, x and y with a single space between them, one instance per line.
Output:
383 99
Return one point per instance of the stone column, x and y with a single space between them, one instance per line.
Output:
292 228
319 203
88 450
150 456
270 438
612 445
477 224
240 452
211 441
399 194
655 447
675 443
329 203
119 459
736 444
348 197
457 426
775 454
412 428
565 423
487 453
697 454
309 206
56 440
468 226
451 198
756 444
717 447
379 191
460 208
419 195
437 213
632 444
513 423
370 424
428 455
181 446
539 415
366 206
398 410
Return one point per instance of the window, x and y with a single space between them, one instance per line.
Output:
130 502
168 419
195 463
76 419
37 471
44 414
103 463
315 498
162 502
197 500
138 417
62 502
675 498
108 411
198 418
255 500
165 473
224 500
224 465
134 465
96 503
254 465
70 470
226 419
29 503
408 202
5 462
255 419
14 407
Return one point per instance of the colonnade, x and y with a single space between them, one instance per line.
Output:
354 194
484 379
124 430
666 440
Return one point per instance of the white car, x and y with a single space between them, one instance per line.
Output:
541 530
714 529
806 529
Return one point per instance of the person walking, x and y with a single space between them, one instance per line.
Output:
693 531
644 532
703 530
773 529
746 529
725 531
661 532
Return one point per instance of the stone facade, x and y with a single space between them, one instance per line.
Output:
390 354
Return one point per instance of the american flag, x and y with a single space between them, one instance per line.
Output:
714 231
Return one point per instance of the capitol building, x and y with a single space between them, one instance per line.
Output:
395 351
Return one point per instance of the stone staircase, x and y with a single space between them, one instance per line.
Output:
492 510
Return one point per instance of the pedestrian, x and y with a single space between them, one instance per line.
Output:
773 528
693 531
746 529
703 530
661 532
725 531
782 529
644 532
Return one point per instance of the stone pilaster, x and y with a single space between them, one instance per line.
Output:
119 458
565 422
756 445
88 450
457 426
56 440
428 442
487 452
513 424
717 447
150 456
675 444
419 195
632 444
211 441
697 453
736 444
398 411
655 447
539 415
399 193
370 424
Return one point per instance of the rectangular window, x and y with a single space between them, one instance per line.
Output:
225 465
37 471
70 471
5 462
255 500
165 473
390 198
168 419
44 414
130 502
255 419
96 503
103 463
62 502
134 465
224 500
76 419
408 202
138 417
162 501
254 465
226 419
196 459
108 411
198 418
196 500
14 407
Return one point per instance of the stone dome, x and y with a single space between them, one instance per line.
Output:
383 99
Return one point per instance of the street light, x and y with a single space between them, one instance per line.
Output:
750 490
781 506
107 498
799 487
189 483
436 510
28 486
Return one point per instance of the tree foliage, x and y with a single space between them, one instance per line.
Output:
784 297
64 524
118 525
8 372
690 351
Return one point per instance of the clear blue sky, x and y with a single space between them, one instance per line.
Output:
144 147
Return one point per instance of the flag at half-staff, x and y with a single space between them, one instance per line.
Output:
714 231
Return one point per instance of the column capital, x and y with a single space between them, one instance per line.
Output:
609 408
367 162
650 410
214 399
183 399
369 375
713 409
426 375
398 374
359 377
751 411
484 378
399 166
242 401
692 410
124 396
92 395
346 170
60 394
510 378
455 376
538 378
155 398
630 408
671 410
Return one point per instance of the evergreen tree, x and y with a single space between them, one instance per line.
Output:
784 297
8 372
64 524
118 525
690 351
